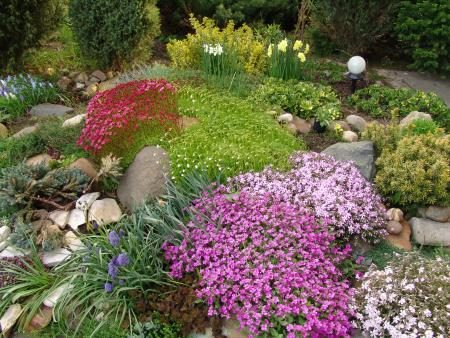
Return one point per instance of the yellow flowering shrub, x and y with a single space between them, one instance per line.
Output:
250 52
417 172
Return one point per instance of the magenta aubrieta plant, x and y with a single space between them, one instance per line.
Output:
266 262
329 189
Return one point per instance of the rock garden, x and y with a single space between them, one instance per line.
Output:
233 184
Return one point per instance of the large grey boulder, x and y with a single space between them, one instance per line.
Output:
428 232
49 109
413 116
361 153
145 178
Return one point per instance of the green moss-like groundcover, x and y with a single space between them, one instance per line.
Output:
233 136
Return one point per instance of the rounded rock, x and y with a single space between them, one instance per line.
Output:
394 227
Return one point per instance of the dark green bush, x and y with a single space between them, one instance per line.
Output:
353 26
424 28
380 101
114 31
23 23
176 12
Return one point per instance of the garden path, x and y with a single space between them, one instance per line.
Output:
419 81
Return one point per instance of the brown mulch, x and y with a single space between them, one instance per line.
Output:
318 142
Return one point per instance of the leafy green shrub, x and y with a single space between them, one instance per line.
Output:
384 137
20 93
422 126
249 51
424 29
24 186
300 98
417 172
233 136
23 23
353 26
156 329
380 101
114 31
49 136
283 12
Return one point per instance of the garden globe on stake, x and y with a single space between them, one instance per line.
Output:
356 66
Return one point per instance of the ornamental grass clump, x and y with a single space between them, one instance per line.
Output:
286 58
123 119
262 260
409 298
329 189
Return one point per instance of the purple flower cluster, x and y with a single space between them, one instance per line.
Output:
12 87
325 187
116 262
267 263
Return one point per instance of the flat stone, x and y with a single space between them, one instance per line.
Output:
81 77
3 131
41 159
394 214
403 239
414 115
59 217
231 328
85 201
394 227
438 214
85 166
349 136
91 90
99 75
291 128
10 318
145 178
105 211
5 231
428 232
79 86
41 319
108 84
73 242
76 219
302 126
285 118
64 83
55 257
25 131
74 121
356 122
53 298
11 252
50 109
361 153
3 245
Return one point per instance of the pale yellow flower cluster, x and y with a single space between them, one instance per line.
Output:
297 46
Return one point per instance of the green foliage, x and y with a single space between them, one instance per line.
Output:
24 186
380 101
58 51
424 29
286 59
303 99
23 24
417 172
382 254
233 136
141 237
33 284
281 12
384 137
49 135
57 330
187 53
114 31
156 329
268 34
353 26
19 93
422 126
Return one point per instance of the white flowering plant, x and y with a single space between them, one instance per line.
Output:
286 58
220 65
409 298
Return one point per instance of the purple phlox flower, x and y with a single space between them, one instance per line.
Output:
114 238
121 282
122 259
109 287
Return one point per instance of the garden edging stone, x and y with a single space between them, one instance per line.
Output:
428 232
50 109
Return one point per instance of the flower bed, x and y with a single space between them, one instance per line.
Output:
325 187
263 261
116 118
